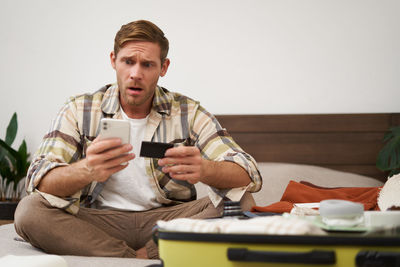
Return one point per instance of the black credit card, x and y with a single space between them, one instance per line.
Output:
154 149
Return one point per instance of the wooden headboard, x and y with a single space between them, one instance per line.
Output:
346 142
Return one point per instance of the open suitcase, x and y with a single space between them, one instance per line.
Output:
336 249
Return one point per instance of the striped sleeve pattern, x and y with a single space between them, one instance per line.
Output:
73 129
216 144
187 123
60 146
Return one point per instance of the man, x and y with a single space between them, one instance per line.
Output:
85 200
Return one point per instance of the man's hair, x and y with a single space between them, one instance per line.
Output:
141 30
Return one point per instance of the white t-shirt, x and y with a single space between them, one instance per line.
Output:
130 188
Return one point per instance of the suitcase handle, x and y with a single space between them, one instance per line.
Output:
311 257
367 258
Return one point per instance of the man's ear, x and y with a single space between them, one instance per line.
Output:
112 58
164 67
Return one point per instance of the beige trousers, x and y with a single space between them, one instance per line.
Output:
102 233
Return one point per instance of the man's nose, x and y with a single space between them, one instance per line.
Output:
136 72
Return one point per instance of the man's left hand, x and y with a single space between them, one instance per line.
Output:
183 163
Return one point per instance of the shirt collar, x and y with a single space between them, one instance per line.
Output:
162 101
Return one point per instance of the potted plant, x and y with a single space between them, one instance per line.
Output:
14 165
389 156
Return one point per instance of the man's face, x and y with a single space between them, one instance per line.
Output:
138 67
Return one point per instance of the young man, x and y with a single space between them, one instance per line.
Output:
97 197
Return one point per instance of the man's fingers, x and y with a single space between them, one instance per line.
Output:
182 151
103 170
116 152
176 161
182 163
99 161
101 145
111 152
118 160
97 139
181 155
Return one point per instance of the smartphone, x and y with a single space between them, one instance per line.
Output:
113 128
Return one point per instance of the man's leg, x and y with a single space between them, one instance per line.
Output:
103 232
198 209
58 232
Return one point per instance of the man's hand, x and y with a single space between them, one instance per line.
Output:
104 158
183 163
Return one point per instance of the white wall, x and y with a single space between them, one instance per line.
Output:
235 56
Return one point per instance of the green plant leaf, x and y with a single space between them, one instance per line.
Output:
13 164
8 175
22 150
4 155
10 150
4 166
11 133
389 157
21 164
12 129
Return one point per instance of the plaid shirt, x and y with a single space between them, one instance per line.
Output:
173 118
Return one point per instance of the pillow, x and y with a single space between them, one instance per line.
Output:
276 177
305 192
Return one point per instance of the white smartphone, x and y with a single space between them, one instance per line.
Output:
113 128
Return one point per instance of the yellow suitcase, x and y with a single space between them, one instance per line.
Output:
337 249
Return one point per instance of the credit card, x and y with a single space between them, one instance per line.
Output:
154 149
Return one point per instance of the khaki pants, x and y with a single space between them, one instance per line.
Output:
102 233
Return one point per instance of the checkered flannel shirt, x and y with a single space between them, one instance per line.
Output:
174 118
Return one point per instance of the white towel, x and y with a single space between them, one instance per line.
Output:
272 225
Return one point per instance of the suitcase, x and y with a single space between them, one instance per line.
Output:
336 249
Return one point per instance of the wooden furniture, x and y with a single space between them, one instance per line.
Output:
346 142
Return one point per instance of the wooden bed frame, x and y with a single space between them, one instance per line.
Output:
346 142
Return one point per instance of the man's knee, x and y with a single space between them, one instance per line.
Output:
27 214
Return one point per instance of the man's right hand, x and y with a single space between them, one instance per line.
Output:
105 157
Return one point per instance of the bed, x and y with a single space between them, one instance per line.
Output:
325 149
344 142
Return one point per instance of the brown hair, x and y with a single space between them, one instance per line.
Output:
141 30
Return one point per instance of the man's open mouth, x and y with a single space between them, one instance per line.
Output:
135 88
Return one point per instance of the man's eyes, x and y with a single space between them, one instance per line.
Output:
144 64
128 61
147 64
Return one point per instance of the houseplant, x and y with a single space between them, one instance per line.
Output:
13 168
389 156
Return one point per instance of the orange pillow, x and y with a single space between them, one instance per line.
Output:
305 192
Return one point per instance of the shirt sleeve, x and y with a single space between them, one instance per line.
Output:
60 146
216 144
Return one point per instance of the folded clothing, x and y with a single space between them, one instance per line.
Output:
272 225
305 192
